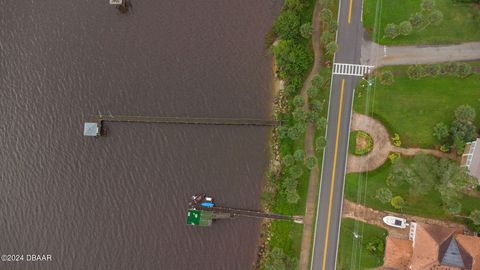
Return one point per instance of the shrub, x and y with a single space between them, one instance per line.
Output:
293 133
376 247
396 140
397 202
475 217
365 149
416 72
463 70
321 124
444 148
450 68
386 78
393 156
332 26
432 70
318 81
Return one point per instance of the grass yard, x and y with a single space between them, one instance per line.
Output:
460 24
412 108
361 188
352 252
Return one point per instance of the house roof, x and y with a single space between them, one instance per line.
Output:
439 248
398 253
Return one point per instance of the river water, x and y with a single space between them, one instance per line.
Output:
119 202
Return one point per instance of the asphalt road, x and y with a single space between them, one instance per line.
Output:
349 39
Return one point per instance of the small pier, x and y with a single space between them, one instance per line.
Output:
204 206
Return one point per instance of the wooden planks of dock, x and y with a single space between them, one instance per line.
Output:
183 120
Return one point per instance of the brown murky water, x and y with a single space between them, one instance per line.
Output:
119 202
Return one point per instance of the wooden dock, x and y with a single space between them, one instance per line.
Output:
249 213
183 120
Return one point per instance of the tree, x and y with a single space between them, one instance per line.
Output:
299 155
288 160
293 59
463 70
312 92
416 72
320 143
312 117
283 132
293 4
440 132
289 183
299 115
417 19
332 26
316 105
326 37
292 195
318 81
298 101
428 5
331 48
436 17
405 28
321 124
386 78
397 202
326 15
384 195
466 131
475 217
287 25
391 31
293 133
306 30
465 113
295 172
310 162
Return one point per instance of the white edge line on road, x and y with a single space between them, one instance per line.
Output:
344 177
326 132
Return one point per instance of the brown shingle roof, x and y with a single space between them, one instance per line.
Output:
471 245
428 240
398 253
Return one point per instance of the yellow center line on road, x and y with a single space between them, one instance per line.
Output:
333 175
350 12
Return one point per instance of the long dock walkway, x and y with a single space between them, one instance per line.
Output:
249 213
183 120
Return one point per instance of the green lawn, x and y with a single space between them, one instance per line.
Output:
361 188
352 251
411 108
461 21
